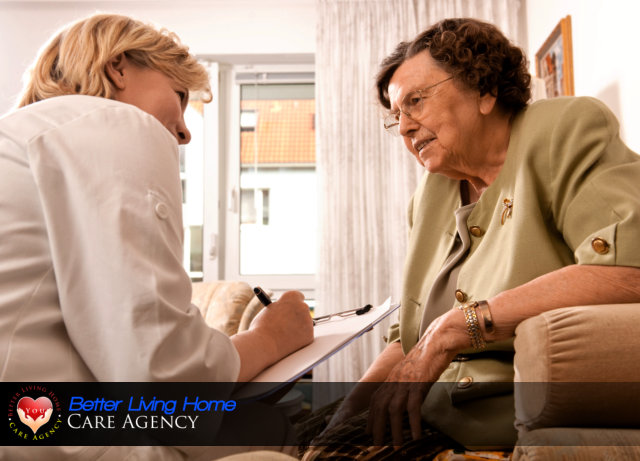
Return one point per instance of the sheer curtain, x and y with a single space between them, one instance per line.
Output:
366 177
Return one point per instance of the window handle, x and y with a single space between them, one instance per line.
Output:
232 203
213 248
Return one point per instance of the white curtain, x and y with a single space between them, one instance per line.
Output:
366 178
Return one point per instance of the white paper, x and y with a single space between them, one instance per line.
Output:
329 338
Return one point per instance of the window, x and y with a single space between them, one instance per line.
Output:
274 170
248 120
191 178
254 206
257 217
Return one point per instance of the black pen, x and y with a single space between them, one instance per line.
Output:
262 296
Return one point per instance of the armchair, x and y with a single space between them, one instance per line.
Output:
227 306
577 384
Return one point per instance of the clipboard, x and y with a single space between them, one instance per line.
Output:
329 338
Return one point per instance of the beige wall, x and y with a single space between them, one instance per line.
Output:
604 37
605 44
207 26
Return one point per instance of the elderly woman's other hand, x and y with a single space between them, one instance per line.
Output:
358 399
410 380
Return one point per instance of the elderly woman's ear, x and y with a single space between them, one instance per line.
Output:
487 103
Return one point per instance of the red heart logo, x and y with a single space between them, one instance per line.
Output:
35 413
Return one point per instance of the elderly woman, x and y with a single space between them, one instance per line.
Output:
92 286
524 208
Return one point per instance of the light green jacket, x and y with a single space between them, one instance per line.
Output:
571 180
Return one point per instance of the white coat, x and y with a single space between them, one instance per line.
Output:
91 280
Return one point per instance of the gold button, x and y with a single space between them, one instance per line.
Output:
600 246
461 296
476 231
465 382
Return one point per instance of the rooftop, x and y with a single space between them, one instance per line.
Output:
280 132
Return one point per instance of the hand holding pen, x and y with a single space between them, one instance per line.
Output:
286 322
266 300
275 332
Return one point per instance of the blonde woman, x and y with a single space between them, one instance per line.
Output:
91 282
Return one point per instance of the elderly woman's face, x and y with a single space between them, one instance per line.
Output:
444 135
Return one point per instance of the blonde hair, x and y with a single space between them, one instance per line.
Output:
75 60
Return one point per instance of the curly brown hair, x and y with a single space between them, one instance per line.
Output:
476 53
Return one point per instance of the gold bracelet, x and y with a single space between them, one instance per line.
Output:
486 316
473 326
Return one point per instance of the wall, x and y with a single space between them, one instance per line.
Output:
605 65
605 62
212 27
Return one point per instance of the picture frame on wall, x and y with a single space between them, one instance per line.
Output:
554 61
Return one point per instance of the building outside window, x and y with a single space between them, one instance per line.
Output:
249 180
277 179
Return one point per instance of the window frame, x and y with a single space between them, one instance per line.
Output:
221 235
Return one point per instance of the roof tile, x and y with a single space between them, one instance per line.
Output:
285 132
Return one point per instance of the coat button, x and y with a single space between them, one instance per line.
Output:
162 211
461 296
600 246
465 382
476 231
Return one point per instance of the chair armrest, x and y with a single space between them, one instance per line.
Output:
222 303
578 367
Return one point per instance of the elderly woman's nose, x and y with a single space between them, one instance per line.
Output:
406 125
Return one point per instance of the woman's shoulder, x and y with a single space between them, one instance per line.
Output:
78 111
554 110
557 118
62 109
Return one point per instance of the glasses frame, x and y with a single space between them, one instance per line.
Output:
392 120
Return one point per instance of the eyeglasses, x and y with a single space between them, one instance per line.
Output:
412 106
349 313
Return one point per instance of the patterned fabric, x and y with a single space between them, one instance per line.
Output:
454 455
349 440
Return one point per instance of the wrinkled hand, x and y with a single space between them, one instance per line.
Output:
287 322
410 380
355 403
345 411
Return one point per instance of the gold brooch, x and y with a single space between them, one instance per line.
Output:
508 208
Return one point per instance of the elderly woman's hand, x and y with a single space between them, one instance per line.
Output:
410 380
